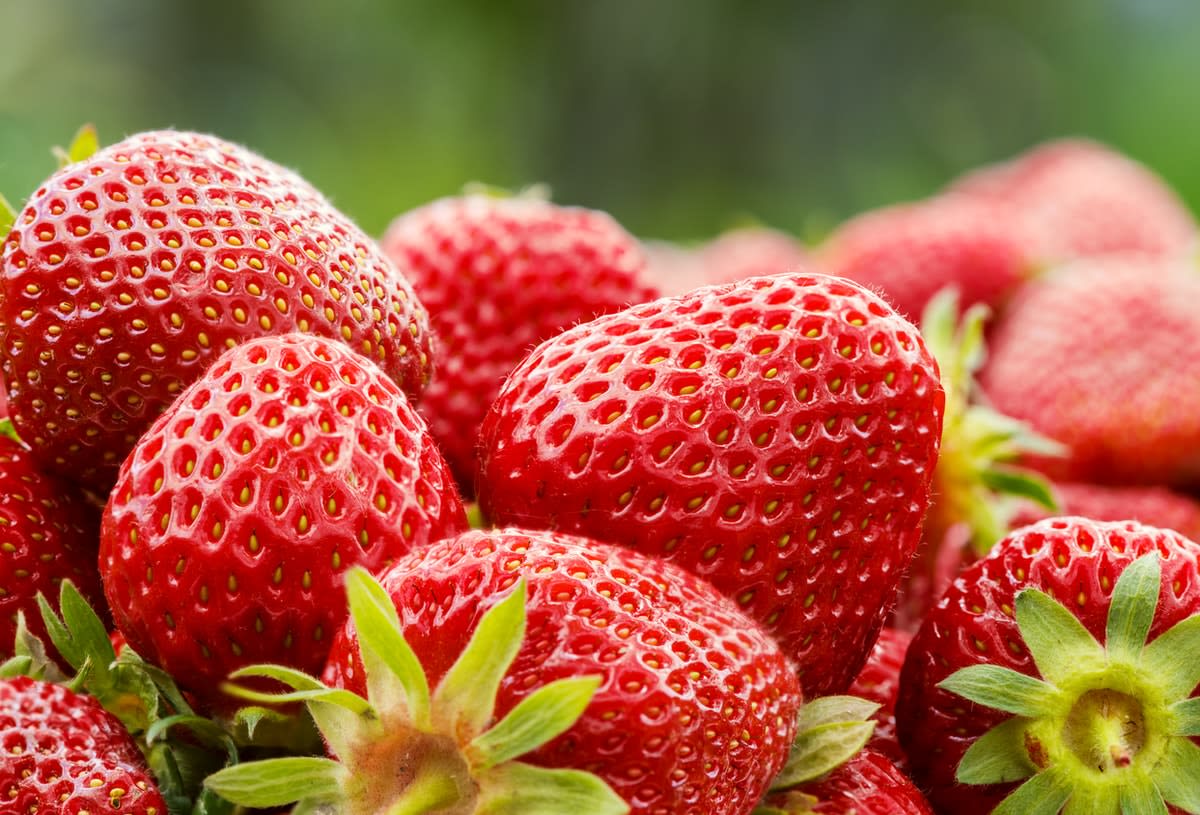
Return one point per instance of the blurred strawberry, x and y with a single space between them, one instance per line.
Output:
1154 506
752 252
499 275
879 682
673 267
912 251
867 784
1074 198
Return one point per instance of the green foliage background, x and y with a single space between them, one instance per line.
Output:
679 116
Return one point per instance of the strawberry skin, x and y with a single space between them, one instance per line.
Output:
49 535
1075 198
880 682
775 436
500 275
911 252
1074 560
64 753
868 784
127 275
225 538
1100 357
697 706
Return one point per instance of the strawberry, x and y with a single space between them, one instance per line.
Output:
64 753
1032 680
499 275
1153 506
1100 358
50 534
879 682
751 252
1074 198
868 784
673 268
226 536
910 252
128 273
638 688
775 436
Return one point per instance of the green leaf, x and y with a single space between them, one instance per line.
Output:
1142 799
83 146
251 716
279 781
1020 483
1002 689
831 709
16 666
342 729
1044 794
998 756
8 217
334 696
6 425
1135 597
1057 641
520 789
206 730
388 659
1173 658
465 701
1187 717
539 717
161 679
821 749
132 696
475 519
29 646
296 680
59 634
1176 775
85 626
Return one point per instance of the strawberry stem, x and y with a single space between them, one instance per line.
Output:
430 791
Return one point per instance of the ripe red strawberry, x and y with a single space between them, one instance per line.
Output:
776 436
879 682
868 784
911 252
1074 199
1052 626
681 705
1101 358
1153 506
63 753
499 275
233 520
128 273
48 534
751 252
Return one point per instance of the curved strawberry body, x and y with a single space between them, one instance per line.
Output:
879 682
1074 561
911 252
868 784
696 708
499 275
50 535
128 273
1101 358
775 436
64 753
225 539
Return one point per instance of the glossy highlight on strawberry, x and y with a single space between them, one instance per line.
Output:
776 436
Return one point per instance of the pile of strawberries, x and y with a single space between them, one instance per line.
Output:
474 520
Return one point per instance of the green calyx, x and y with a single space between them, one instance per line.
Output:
1107 729
405 749
83 146
829 732
143 697
977 482
8 217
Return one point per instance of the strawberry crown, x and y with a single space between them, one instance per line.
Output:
83 145
143 697
1108 727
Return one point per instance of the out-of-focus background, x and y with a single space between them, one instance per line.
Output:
680 118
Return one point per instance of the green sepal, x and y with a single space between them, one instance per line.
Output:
1134 599
1187 717
829 732
8 217
15 666
1177 775
247 719
1173 658
7 428
28 646
539 717
475 519
516 788
1017 483
1142 799
83 146
1057 641
206 730
1044 794
394 675
998 756
1002 689
277 782
306 688
465 700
